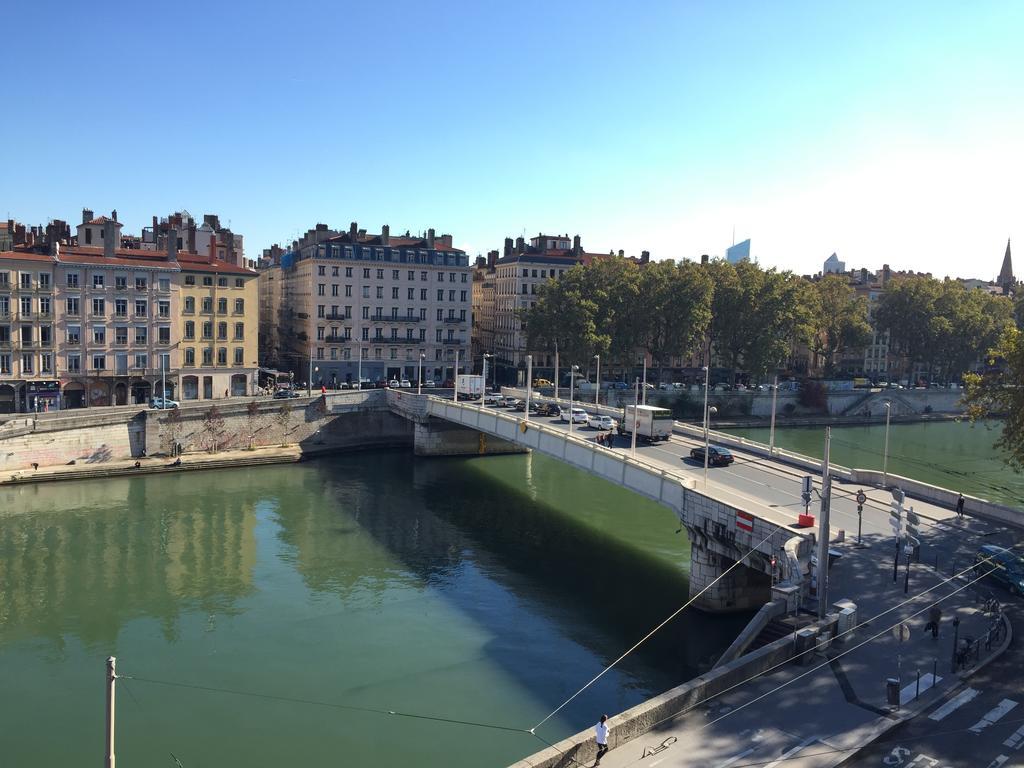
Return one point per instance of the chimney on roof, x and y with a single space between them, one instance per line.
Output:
86 216
492 257
645 257
520 245
703 258
577 249
863 276
353 231
172 244
621 253
109 238
430 238
113 214
156 232
191 236
508 247
230 237
385 235
886 274
212 219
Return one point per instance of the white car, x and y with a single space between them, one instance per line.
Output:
429 384
393 384
602 422
579 416
405 384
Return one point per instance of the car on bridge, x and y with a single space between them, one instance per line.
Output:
577 416
1002 566
429 384
548 409
286 394
601 421
717 455
163 402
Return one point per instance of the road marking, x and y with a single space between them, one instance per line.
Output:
790 752
1016 740
733 759
953 704
998 761
910 691
993 715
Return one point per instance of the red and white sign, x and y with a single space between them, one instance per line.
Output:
745 521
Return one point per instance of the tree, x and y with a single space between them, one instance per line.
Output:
213 425
565 316
1000 392
839 320
172 424
284 420
252 417
906 311
675 310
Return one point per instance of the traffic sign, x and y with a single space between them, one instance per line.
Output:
861 498
898 496
901 632
808 484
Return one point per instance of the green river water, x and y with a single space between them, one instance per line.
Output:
484 589
951 454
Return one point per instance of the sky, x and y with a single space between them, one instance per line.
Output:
885 132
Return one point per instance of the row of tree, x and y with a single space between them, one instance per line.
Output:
753 317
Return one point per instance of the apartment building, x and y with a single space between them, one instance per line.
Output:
376 306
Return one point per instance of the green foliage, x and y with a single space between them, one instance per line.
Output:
839 320
213 425
1001 393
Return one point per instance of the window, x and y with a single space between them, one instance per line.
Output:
239 306
366 273
451 277
141 334
240 282
72 278
99 362
26 363
239 356
366 291
222 282
348 290
46 362
190 330
319 353
394 292
26 306
463 277
74 334
321 270
5 279
44 281
394 274
190 356
321 310
440 277
222 356
207 280
222 331
423 276
97 281
141 307
207 356
440 295
164 334
423 294
207 305
190 305
99 307
164 308
348 271
366 334
207 330
451 295
140 283
334 289
74 363
423 313
462 296
44 306
239 331
165 284
120 307
438 334
141 360
222 306
366 313
380 274
321 290
190 280
121 335
440 315
380 292
411 275
411 294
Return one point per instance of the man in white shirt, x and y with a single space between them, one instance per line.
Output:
601 731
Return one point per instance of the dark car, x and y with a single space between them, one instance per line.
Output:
285 394
1002 566
548 409
717 456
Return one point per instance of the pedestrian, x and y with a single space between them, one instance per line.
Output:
960 506
601 732
934 617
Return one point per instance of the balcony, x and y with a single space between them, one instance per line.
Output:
453 342
455 320
396 319
337 339
383 340
335 317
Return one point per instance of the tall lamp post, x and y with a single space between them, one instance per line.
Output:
486 355
771 433
572 381
529 383
707 446
359 369
597 393
885 453
636 414
556 371
456 379
644 390
419 377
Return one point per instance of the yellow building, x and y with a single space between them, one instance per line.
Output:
218 328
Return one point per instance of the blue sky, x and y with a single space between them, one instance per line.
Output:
888 132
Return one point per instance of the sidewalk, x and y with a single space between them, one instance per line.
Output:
816 712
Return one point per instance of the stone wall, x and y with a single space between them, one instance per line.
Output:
442 438
90 438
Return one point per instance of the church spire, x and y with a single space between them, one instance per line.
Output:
1006 279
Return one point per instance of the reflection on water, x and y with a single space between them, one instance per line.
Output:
481 589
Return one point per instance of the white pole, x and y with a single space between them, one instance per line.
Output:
163 381
456 398
484 392
309 381
771 434
644 401
597 394
359 369
111 695
556 371
885 454
572 380
529 383
707 442
636 411
823 532
419 380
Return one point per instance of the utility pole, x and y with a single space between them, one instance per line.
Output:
111 680
636 415
771 434
644 391
556 371
823 532
529 385
455 397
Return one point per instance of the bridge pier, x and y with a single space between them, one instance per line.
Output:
435 437
743 589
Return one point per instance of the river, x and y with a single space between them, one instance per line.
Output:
258 613
951 454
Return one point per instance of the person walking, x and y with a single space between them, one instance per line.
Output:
601 733
960 506
934 617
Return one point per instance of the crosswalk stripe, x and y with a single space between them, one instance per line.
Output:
993 715
953 704
1016 740
998 761
790 752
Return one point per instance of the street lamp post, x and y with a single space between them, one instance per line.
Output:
885 453
486 355
456 380
309 378
529 383
636 413
359 369
644 390
572 382
163 382
556 371
419 377
707 381
597 393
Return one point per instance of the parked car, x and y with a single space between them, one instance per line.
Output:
600 421
578 416
664 385
542 383
405 384
429 383
618 385
509 402
286 394
1002 566
163 402
492 398
394 384
717 456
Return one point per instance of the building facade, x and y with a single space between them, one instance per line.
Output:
376 307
